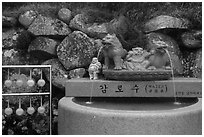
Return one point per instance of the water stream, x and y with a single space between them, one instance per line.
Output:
173 78
90 98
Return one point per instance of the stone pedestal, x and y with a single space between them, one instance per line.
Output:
129 116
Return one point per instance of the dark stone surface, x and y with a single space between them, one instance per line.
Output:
97 30
188 62
9 21
16 38
65 15
18 57
27 18
192 63
124 30
79 22
47 26
192 39
120 26
197 67
43 48
165 21
82 22
59 74
14 57
76 50
154 40
77 73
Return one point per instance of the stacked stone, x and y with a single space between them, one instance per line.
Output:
36 39
68 42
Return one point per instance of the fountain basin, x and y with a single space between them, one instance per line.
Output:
126 116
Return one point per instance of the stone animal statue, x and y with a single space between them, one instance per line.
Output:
113 50
159 59
94 68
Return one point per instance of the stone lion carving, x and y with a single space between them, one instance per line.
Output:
113 52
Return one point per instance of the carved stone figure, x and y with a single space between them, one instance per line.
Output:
94 68
113 50
142 65
137 59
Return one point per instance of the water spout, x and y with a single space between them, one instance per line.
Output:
173 79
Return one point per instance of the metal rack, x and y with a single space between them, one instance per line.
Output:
34 94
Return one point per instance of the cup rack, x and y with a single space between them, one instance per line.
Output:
32 93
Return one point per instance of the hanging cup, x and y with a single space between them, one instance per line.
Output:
8 82
19 111
41 81
41 109
30 82
30 110
19 82
8 110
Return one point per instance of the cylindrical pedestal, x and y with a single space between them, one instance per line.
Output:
119 117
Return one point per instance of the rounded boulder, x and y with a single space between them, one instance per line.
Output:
76 50
65 15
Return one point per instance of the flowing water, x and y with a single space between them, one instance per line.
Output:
90 98
173 78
